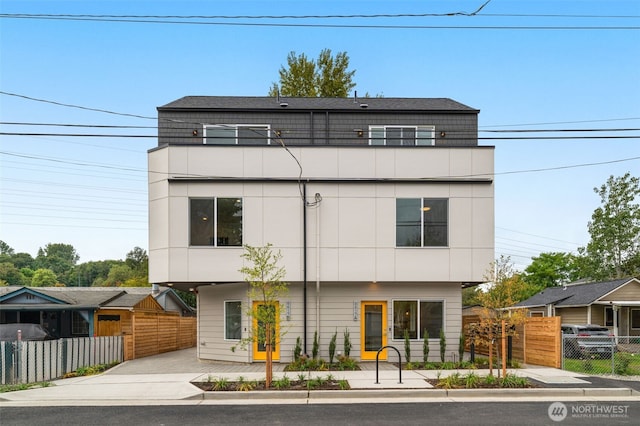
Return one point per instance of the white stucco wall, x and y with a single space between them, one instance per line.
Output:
356 220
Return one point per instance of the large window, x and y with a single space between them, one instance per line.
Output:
416 316
236 134
233 320
216 222
422 222
401 135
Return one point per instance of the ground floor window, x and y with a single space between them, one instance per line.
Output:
635 318
608 316
233 320
417 316
79 326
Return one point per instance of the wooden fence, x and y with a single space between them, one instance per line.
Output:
537 341
39 361
155 333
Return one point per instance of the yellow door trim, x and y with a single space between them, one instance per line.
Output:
371 354
261 355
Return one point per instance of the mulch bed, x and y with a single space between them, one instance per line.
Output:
260 386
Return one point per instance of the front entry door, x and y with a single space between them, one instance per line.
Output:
259 349
373 330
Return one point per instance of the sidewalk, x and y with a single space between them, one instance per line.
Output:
165 380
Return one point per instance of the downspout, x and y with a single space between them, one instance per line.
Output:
318 270
304 266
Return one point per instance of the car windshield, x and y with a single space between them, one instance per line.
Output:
594 330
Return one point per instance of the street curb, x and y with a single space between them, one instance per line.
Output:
416 393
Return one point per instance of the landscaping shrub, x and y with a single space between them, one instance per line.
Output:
425 346
407 346
443 345
347 343
316 346
332 347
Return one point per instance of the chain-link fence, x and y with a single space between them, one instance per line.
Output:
601 354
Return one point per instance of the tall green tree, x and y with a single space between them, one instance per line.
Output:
551 269
329 76
266 286
60 258
614 248
44 278
138 260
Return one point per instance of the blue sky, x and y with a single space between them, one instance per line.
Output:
92 192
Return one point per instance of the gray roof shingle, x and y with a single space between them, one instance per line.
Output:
573 295
245 103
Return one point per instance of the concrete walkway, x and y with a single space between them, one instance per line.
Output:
166 380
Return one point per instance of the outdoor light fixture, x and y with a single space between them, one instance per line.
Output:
426 208
443 134
359 132
195 132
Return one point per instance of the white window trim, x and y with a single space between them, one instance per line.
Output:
411 299
224 322
234 127
432 129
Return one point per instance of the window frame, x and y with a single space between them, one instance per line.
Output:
236 137
418 129
79 325
420 328
608 318
226 319
423 201
631 324
214 240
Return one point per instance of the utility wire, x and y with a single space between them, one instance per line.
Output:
352 26
399 15
487 138
432 177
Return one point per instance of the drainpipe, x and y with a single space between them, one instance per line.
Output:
304 265
318 269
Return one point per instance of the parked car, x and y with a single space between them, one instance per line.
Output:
581 340
9 332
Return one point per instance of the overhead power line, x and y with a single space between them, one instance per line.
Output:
486 138
352 26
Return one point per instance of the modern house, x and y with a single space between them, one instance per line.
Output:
382 208
614 304
85 311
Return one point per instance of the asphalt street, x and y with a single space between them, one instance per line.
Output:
450 414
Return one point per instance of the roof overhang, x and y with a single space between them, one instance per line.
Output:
618 302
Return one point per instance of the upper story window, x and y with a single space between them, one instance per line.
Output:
215 222
237 134
422 222
401 135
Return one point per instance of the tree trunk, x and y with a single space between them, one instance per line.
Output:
269 363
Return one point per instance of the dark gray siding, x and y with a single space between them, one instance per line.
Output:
297 127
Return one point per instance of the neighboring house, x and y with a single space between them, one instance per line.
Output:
614 304
383 210
80 311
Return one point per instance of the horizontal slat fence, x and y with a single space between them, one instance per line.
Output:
30 362
537 341
155 333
